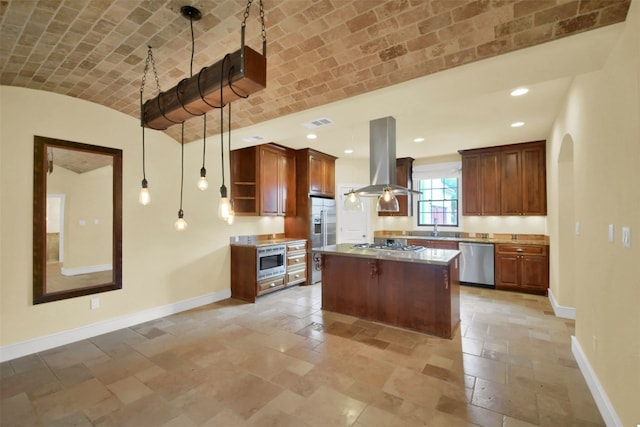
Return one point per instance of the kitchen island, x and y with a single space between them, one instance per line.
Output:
414 290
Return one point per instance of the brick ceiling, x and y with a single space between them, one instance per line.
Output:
319 51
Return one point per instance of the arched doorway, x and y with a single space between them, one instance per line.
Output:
566 225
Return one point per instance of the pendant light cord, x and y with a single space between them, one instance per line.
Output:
182 166
144 173
222 116
193 46
204 140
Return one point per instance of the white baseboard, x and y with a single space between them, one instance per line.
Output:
607 411
561 310
24 348
85 269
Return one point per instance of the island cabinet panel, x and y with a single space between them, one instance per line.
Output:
505 180
412 295
522 268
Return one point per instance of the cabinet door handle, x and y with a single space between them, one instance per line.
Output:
271 285
446 279
297 259
519 250
297 276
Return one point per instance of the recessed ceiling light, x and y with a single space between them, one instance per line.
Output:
348 151
420 139
520 91
517 124
312 136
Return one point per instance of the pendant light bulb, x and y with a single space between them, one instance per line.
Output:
224 206
180 224
203 184
388 202
144 197
353 202
232 213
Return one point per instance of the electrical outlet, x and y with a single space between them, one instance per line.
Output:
626 237
611 233
95 303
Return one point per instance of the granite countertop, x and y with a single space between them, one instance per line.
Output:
427 256
258 241
522 239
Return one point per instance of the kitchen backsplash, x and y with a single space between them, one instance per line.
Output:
473 224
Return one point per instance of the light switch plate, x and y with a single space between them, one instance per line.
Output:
611 233
626 237
577 228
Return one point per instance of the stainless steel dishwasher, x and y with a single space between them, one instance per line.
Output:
476 264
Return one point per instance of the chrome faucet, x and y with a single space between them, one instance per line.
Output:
435 226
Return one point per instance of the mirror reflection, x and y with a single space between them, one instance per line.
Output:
77 219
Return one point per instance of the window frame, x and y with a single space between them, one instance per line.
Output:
438 171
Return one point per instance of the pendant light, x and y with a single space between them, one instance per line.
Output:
224 207
388 201
232 213
203 184
181 224
353 202
144 198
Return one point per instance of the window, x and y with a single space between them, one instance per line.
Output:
438 200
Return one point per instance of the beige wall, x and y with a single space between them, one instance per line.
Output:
600 124
160 266
88 215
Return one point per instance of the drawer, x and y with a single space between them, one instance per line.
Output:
504 248
297 246
270 285
297 276
296 259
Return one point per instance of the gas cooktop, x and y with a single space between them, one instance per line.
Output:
389 247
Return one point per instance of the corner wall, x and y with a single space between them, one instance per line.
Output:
160 266
602 118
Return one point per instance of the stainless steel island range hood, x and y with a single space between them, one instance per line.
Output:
382 160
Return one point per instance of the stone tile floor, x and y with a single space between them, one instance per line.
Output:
285 362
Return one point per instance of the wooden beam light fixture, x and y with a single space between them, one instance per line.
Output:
194 96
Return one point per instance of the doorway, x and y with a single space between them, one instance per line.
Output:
353 226
566 225
55 228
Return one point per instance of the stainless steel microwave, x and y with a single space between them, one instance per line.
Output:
271 261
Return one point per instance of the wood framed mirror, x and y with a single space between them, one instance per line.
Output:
77 219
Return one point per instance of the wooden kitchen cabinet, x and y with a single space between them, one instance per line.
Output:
505 180
434 244
421 297
481 184
522 268
263 180
524 180
316 173
296 263
404 173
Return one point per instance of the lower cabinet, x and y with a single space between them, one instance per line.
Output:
421 297
434 244
522 268
244 282
296 263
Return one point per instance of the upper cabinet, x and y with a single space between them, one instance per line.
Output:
404 172
505 180
263 180
316 173
481 184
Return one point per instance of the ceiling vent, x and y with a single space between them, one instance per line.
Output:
317 123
